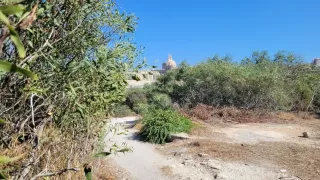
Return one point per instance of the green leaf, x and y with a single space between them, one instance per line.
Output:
124 150
14 36
40 11
4 18
9 67
12 9
6 159
122 133
2 121
2 176
88 173
23 16
102 154
16 40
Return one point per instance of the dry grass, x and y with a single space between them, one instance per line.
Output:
211 114
57 151
299 160
104 169
167 170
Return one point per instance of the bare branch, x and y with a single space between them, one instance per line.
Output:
55 173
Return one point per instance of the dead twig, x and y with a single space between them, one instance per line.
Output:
55 173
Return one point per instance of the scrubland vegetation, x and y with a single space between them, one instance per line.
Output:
63 72
63 67
259 82
221 87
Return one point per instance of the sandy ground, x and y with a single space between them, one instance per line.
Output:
255 151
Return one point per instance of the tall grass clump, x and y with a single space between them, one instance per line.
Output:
158 125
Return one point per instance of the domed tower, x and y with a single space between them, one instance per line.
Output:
170 64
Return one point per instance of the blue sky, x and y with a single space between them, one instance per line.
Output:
196 30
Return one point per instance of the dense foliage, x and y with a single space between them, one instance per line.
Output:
80 51
258 82
159 124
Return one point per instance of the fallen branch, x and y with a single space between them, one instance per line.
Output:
54 173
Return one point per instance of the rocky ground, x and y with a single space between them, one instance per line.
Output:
226 151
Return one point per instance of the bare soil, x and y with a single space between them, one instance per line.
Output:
276 147
228 149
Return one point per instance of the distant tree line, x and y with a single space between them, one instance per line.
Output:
282 82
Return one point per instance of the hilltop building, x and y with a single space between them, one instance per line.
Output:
316 62
170 64
153 74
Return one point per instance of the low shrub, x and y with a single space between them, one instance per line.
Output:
141 108
158 125
136 96
122 110
161 101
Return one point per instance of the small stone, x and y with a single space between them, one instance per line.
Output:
305 135
204 163
203 155
188 162
283 170
214 166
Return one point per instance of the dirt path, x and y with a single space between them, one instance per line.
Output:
232 152
145 163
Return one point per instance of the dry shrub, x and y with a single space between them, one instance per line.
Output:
202 112
306 115
56 152
286 116
208 113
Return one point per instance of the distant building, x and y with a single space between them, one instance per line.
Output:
170 64
153 74
316 62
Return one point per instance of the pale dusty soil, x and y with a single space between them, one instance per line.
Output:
136 84
260 151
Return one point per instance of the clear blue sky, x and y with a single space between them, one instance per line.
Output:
196 30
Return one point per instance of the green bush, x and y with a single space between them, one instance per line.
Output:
283 82
122 110
158 125
142 108
161 101
136 96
